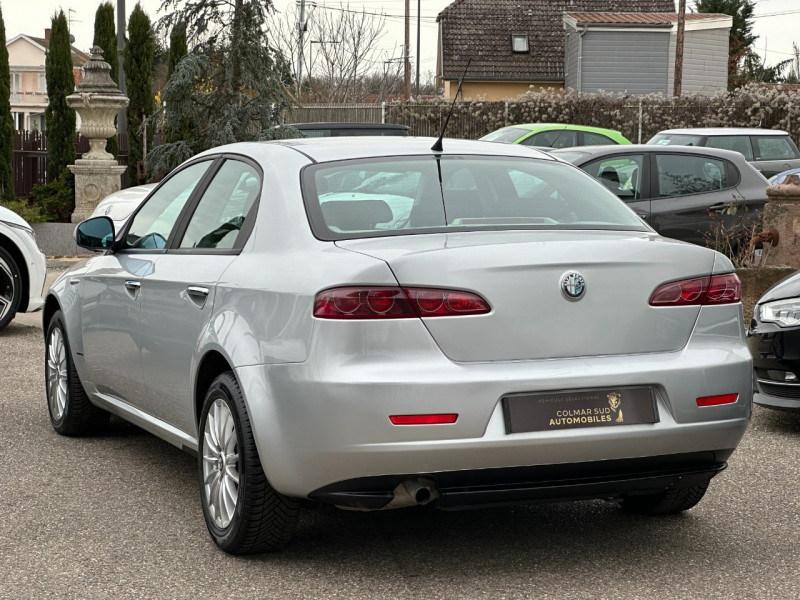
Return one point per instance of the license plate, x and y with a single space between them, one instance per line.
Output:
574 409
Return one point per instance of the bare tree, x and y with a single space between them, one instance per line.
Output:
342 53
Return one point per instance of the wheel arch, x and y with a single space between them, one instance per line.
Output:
9 246
51 306
211 365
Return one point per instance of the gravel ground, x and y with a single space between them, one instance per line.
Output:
118 516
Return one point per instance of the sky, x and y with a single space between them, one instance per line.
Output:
777 22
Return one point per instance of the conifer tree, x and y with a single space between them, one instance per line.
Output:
59 118
6 122
105 36
139 53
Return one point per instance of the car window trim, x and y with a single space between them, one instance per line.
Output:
191 206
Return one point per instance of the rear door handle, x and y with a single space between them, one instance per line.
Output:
718 207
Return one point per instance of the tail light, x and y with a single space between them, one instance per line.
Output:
714 289
371 302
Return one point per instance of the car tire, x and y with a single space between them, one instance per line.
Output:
668 502
10 287
71 412
243 513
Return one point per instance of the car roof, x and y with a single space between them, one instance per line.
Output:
355 147
724 131
565 126
593 151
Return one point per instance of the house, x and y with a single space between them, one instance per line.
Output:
634 53
514 44
26 57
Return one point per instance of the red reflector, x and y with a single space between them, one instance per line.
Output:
717 400
423 419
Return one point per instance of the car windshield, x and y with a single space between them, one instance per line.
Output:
675 139
507 135
422 194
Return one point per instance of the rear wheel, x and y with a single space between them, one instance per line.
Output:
71 413
244 514
10 287
668 502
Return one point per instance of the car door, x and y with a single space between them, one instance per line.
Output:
177 298
774 154
111 290
690 192
627 176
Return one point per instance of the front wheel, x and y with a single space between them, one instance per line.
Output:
668 502
10 287
243 513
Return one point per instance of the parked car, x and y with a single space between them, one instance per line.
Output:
774 340
23 268
680 191
119 205
349 129
555 135
369 354
781 177
768 150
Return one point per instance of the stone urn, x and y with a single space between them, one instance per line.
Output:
97 100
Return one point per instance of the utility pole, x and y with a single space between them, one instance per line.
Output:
679 48
419 16
301 29
122 116
407 72
796 61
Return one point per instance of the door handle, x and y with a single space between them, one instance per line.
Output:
719 207
133 287
198 295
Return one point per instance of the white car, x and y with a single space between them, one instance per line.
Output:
22 267
119 205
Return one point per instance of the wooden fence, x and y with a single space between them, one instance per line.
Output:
30 159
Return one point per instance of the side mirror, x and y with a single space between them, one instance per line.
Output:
96 233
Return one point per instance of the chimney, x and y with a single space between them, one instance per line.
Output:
47 34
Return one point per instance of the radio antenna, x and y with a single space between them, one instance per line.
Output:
437 146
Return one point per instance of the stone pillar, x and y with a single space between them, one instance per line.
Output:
782 213
97 100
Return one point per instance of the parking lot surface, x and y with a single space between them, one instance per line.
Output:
118 516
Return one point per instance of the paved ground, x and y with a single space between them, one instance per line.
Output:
119 517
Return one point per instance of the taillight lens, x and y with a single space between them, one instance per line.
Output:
715 289
396 303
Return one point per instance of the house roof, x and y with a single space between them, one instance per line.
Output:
482 31
627 18
78 58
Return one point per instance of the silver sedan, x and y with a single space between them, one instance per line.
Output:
375 324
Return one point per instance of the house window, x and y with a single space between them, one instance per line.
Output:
42 83
16 82
519 42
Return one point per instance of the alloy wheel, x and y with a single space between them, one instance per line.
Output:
57 370
220 464
6 288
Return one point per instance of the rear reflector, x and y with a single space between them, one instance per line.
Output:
714 289
717 400
423 419
370 302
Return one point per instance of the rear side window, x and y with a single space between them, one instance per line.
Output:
367 198
737 143
681 175
596 139
775 148
675 139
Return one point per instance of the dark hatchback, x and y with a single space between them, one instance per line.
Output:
774 341
680 191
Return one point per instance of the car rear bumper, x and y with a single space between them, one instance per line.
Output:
326 420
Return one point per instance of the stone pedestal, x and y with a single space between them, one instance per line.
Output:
782 213
94 180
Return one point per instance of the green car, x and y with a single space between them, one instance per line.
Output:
555 135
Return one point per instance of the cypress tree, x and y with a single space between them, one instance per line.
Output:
6 121
105 36
59 118
139 53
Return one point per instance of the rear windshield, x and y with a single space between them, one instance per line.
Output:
425 194
675 139
508 135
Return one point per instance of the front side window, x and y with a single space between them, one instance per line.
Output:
737 143
225 206
775 148
508 135
368 198
153 224
681 175
675 139
620 174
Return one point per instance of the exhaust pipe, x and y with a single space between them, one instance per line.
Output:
414 492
